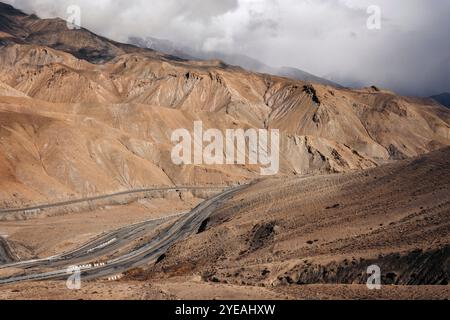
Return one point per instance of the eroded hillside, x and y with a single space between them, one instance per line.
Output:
75 121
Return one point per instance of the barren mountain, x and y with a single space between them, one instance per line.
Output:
82 115
18 27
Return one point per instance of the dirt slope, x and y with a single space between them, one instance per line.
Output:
328 229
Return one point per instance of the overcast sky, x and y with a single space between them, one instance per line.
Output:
409 54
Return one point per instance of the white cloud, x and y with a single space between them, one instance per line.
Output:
326 37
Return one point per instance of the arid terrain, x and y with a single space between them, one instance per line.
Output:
364 179
302 238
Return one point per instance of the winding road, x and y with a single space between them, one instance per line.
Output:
89 254
104 197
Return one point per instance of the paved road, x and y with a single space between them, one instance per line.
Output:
186 225
103 197
102 245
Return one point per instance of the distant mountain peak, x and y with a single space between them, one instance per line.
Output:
185 52
10 10
443 98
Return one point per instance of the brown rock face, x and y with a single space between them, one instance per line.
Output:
82 115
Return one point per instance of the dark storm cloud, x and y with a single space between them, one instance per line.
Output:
409 54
